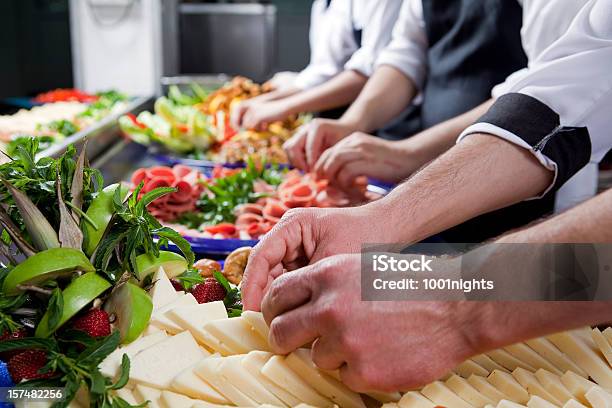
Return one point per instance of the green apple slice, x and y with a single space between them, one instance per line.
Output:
50 264
132 307
81 292
173 263
100 211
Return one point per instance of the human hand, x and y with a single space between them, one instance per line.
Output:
307 145
304 236
258 116
361 154
378 346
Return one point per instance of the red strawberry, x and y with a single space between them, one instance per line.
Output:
27 364
178 286
209 291
94 322
7 335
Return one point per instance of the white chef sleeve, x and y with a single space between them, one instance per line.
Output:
560 109
380 17
407 50
331 44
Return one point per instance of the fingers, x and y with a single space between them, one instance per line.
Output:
286 293
293 330
237 114
332 160
347 175
326 354
314 145
295 148
282 245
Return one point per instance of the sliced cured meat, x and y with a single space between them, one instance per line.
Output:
249 209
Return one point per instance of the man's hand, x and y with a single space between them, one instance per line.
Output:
378 346
259 116
361 154
307 145
304 236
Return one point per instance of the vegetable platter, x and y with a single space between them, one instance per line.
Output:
191 126
224 209
62 117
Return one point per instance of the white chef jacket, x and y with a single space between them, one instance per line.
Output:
332 40
407 51
568 79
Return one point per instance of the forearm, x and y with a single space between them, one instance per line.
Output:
386 95
484 171
429 144
590 222
338 91
497 324
276 94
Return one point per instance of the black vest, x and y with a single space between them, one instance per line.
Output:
473 46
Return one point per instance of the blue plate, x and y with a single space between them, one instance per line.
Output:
171 160
220 247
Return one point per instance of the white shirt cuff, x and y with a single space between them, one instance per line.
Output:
510 137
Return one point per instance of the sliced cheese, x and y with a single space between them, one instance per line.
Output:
253 363
509 404
231 369
577 385
583 355
415 399
530 382
486 388
126 395
150 330
608 334
111 364
487 363
144 394
237 335
505 383
385 396
602 343
522 352
193 318
170 399
390 405
277 371
162 292
257 321
508 361
301 363
210 371
467 392
573 404
377 395
160 320
440 394
470 367
537 402
599 398
190 384
550 352
552 383
158 365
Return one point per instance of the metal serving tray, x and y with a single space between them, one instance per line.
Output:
101 135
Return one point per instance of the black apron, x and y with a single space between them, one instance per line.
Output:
473 46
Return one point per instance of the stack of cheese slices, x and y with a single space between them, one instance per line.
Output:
194 356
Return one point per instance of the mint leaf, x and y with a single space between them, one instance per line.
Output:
125 374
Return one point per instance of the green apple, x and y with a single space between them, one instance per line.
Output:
50 264
173 263
100 211
81 292
132 307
